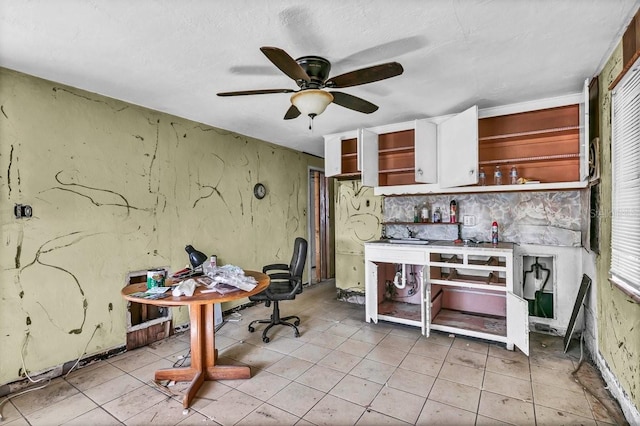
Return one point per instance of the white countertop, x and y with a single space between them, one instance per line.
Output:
440 244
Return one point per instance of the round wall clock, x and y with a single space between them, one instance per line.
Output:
259 191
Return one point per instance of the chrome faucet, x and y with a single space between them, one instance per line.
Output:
411 233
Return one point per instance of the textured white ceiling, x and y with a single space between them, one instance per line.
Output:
175 55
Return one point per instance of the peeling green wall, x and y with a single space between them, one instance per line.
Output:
618 315
358 218
117 188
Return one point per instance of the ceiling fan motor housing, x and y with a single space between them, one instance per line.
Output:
317 69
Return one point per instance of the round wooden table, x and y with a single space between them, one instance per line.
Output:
203 351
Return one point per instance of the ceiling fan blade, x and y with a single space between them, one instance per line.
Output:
256 92
292 112
285 63
353 102
366 75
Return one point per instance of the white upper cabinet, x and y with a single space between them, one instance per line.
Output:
447 153
458 149
426 151
442 155
334 153
368 157
363 159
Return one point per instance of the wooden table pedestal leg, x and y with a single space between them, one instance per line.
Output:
203 356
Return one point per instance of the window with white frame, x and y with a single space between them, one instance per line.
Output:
625 197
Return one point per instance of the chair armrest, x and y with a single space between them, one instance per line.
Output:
296 287
276 266
280 276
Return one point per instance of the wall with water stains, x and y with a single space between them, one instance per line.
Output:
117 188
358 218
618 315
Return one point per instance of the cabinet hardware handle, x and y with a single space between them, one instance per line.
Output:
472 171
419 171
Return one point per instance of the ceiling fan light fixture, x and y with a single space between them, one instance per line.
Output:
311 102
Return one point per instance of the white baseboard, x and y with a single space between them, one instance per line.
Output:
630 411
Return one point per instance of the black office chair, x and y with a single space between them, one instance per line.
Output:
286 283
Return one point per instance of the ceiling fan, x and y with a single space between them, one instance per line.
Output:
311 74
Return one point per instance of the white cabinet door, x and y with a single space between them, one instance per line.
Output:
584 133
426 151
426 301
332 156
458 149
518 322
368 157
371 291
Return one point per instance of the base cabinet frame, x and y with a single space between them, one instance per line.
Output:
456 289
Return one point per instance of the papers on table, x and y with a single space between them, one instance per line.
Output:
154 290
230 276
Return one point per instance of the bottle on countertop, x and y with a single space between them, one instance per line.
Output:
497 176
482 177
424 213
437 215
513 176
494 233
453 211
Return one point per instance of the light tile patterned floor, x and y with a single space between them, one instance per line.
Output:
340 371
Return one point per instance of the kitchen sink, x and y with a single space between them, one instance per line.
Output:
407 241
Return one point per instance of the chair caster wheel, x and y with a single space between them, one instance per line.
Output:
251 329
265 339
296 323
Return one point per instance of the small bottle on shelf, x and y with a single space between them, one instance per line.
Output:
513 176
416 213
424 213
437 216
497 176
453 211
494 233
482 177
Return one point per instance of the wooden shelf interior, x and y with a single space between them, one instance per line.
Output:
470 321
350 157
396 163
544 145
482 311
491 278
498 261
408 311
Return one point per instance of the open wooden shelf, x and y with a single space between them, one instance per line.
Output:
350 158
490 262
407 311
489 324
453 278
396 152
543 145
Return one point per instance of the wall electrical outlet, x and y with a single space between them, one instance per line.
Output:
469 220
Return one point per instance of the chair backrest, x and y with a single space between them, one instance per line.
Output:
299 258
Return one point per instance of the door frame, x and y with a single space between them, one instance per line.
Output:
311 214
